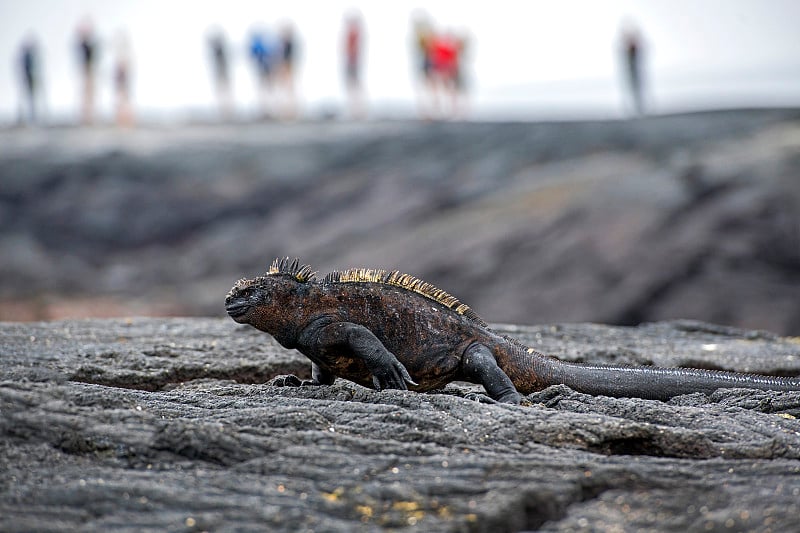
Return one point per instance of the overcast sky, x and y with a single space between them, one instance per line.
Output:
528 59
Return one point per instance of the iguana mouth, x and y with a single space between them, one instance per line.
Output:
236 310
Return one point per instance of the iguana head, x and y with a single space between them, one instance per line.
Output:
245 296
267 301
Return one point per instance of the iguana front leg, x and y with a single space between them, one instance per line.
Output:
356 340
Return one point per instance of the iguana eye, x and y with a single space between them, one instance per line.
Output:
246 293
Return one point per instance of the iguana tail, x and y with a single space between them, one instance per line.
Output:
649 382
660 383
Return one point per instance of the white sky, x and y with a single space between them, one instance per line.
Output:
528 58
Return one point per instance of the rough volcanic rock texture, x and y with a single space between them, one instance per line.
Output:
167 425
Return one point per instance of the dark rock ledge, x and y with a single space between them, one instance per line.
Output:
166 425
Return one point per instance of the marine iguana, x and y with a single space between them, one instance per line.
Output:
387 329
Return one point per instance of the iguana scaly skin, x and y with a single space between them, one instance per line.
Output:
391 330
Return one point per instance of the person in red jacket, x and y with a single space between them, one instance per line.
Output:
353 47
447 51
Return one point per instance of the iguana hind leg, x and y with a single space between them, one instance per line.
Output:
480 366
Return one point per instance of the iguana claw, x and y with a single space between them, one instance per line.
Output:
394 377
288 380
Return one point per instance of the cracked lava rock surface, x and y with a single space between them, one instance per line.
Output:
169 425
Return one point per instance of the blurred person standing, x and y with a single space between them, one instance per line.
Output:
446 51
632 59
87 56
422 51
286 71
263 53
30 80
218 49
122 81
353 47
461 75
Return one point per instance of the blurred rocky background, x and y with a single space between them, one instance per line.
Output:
691 215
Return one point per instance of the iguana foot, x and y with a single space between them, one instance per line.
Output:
513 399
290 380
391 375
480 398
